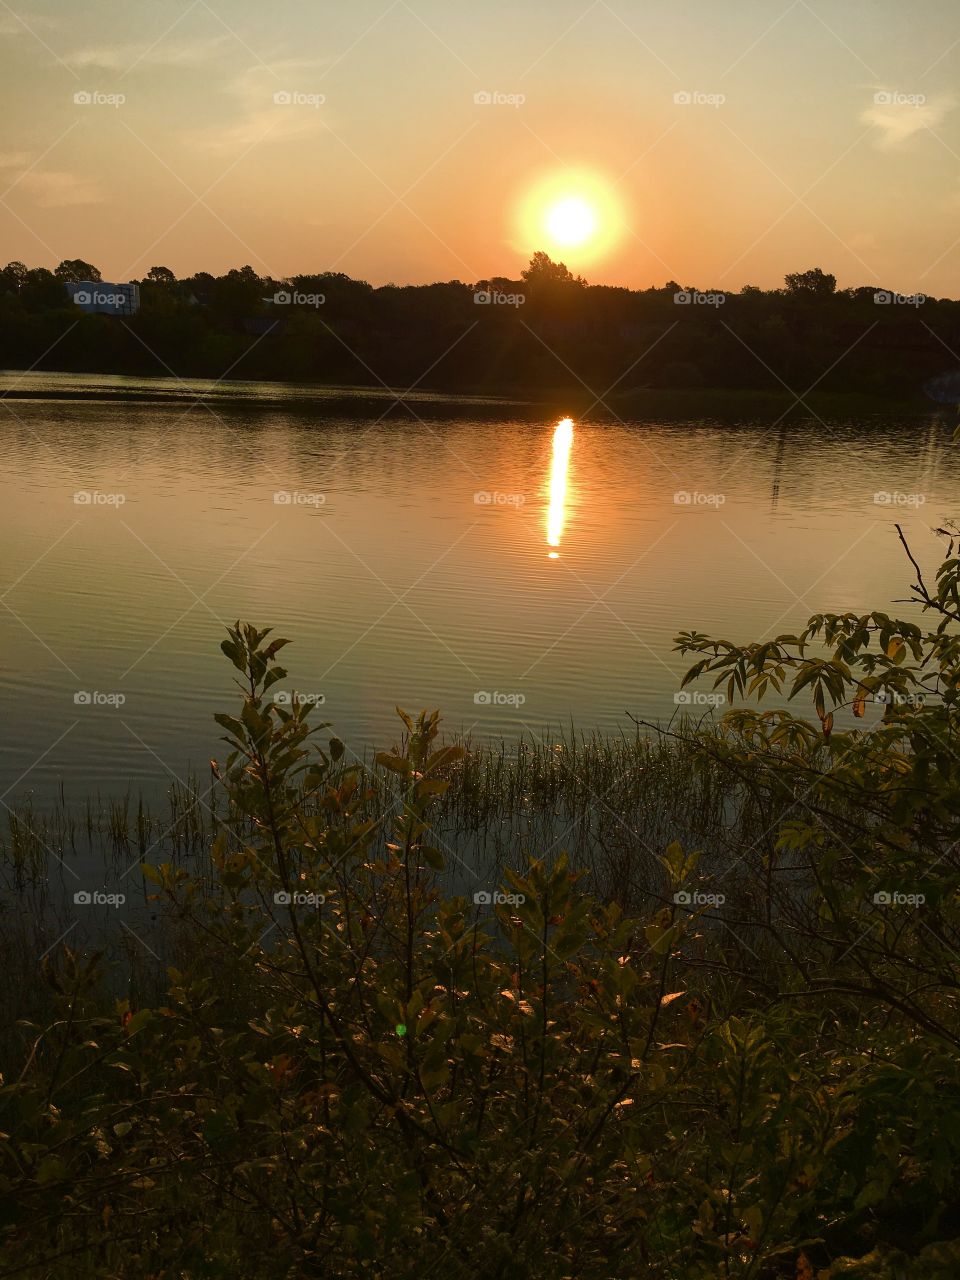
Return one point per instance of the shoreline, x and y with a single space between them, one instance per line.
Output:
717 401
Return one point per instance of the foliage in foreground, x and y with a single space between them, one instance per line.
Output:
356 1075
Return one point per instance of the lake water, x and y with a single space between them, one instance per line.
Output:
464 556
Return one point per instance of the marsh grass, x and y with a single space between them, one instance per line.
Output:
612 804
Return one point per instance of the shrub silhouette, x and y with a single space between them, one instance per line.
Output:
357 1072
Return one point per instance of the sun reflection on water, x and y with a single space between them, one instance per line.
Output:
562 442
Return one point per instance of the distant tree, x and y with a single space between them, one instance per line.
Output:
72 270
245 275
751 291
543 270
161 275
812 283
238 295
13 277
42 288
332 279
335 286
202 281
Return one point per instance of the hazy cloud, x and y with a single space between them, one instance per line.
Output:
50 189
121 57
256 113
899 116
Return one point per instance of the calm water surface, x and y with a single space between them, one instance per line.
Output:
478 558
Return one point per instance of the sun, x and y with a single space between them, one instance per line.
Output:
570 222
575 212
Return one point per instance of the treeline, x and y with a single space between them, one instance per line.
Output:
546 331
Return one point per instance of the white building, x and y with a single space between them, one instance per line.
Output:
102 299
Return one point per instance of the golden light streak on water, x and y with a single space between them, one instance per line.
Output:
556 513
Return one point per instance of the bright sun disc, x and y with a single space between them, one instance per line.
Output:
571 221
574 214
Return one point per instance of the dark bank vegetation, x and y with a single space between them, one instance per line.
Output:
745 1067
546 332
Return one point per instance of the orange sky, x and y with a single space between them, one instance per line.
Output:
430 140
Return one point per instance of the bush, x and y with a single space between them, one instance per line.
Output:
356 1074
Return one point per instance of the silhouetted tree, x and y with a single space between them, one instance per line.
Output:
543 270
813 282
13 277
72 270
239 293
161 275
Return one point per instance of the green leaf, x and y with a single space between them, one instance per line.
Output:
396 764
235 654
231 724
432 857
